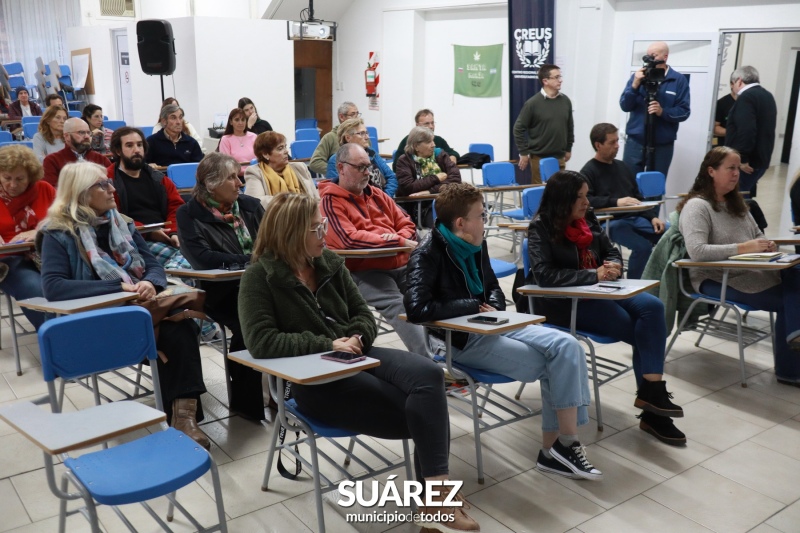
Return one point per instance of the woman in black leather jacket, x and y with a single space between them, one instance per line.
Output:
567 247
450 275
217 227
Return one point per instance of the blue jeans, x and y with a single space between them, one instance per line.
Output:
553 357
638 321
781 299
23 281
634 155
637 234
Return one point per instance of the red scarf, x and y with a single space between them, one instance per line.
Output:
19 208
579 233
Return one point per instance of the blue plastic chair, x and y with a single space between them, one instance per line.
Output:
651 184
30 129
307 134
547 167
29 144
74 114
6 137
183 175
495 175
147 130
31 120
372 131
303 149
374 143
114 124
482 148
152 466
305 123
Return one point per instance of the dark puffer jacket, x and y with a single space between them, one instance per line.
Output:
555 263
437 287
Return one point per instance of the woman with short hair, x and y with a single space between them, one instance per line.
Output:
188 129
237 142
274 173
217 227
88 249
423 167
50 137
381 175
298 298
24 201
170 145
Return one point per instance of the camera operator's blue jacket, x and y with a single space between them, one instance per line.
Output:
673 95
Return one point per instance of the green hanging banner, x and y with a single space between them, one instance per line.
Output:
477 71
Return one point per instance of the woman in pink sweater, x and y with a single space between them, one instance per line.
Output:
236 141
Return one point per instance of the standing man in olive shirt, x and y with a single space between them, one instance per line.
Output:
544 127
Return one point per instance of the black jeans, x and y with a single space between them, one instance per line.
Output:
402 398
182 375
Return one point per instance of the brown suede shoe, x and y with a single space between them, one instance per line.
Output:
184 411
450 518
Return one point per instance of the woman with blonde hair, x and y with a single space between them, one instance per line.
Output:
353 130
88 249
298 298
50 137
274 173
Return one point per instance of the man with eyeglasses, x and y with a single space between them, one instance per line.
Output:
424 119
544 127
330 141
77 141
360 216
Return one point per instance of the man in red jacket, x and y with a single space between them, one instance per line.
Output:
362 216
146 195
77 141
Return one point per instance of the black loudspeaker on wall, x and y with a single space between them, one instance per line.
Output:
156 47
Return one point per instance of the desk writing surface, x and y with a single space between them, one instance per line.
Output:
417 198
727 263
210 274
78 305
149 228
15 247
783 239
366 253
644 206
507 188
303 369
630 287
461 323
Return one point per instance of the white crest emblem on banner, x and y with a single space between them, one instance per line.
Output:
533 46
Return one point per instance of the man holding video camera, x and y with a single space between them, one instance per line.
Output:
657 100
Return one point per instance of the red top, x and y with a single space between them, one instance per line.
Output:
53 163
43 197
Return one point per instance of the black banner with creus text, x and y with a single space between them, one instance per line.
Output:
531 39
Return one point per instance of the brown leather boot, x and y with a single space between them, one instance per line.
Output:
184 411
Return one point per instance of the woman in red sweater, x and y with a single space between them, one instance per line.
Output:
24 201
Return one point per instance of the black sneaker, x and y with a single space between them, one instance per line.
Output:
662 428
574 458
552 466
654 397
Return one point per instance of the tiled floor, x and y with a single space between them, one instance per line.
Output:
739 471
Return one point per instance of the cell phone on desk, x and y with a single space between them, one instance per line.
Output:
343 357
790 258
487 320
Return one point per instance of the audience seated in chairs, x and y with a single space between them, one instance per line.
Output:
54 99
716 224
217 228
567 247
274 173
77 146
24 201
88 249
298 298
188 129
101 137
170 145
146 195
424 119
330 141
360 215
353 130
23 106
255 123
612 184
449 275
237 142
50 137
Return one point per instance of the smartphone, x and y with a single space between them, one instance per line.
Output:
488 320
343 357
788 258
609 285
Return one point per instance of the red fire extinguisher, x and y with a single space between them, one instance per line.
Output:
371 80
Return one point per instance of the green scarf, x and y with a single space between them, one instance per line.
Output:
229 214
464 253
428 165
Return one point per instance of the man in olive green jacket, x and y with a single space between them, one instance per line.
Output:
330 141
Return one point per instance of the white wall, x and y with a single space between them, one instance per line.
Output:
98 39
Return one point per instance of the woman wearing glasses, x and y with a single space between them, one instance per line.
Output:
353 130
89 249
274 173
216 228
298 298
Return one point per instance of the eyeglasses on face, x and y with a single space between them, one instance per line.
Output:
321 229
106 185
359 168
353 114
360 133
556 78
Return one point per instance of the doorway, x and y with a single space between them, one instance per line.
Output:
313 82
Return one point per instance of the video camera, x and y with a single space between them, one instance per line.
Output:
652 74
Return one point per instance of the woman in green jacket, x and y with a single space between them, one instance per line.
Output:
298 298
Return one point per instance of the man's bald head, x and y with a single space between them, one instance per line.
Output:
77 135
660 52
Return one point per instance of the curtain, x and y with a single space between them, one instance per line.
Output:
34 28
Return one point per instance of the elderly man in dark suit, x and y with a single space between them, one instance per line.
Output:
751 126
